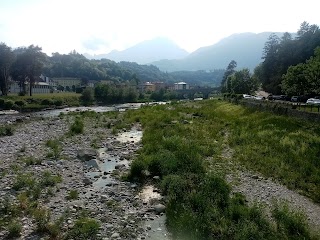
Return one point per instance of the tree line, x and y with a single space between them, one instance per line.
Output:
26 64
290 65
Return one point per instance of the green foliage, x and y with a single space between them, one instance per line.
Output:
110 93
31 161
303 79
291 223
84 229
8 104
49 180
240 82
56 148
77 126
72 195
42 218
176 142
87 96
14 228
280 54
23 181
6 131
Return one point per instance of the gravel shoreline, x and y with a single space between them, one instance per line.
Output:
117 206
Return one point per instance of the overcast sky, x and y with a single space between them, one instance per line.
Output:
99 26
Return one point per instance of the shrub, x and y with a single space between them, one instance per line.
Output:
23 181
56 148
137 170
77 126
31 161
46 102
84 229
73 194
87 96
1 102
58 102
8 104
20 103
42 218
6 131
48 179
14 229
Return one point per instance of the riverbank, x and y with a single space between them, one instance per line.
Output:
74 189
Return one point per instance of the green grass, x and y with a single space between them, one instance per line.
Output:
177 143
73 195
39 101
56 148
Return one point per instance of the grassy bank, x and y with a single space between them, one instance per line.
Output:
181 141
39 101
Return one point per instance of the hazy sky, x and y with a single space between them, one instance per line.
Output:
98 26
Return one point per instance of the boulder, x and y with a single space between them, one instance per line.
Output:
159 208
87 154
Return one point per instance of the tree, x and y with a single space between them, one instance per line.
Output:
28 65
6 60
87 96
241 82
229 71
304 78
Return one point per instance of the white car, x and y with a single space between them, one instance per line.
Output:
313 101
259 97
247 96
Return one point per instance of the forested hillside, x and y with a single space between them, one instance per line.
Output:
281 53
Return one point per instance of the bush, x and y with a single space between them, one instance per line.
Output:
73 194
20 103
87 96
48 179
56 148
1 102
137 170
77 126
23 181
47 102
6 131
58 102
84 229
42 218
14 229
8 104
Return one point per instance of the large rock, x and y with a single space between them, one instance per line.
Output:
159 208
87 154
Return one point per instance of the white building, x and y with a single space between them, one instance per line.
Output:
38 87
181 86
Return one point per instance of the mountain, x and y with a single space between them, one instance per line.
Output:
146 52
245 48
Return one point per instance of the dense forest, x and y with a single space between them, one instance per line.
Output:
279 54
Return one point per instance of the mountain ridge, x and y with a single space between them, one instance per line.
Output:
145 52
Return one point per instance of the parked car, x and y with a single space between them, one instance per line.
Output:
259 97
295 99
313 101
247 96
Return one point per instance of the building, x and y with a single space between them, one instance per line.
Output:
38 87
181 86
149 87
72 83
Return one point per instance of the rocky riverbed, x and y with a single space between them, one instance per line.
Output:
90 164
